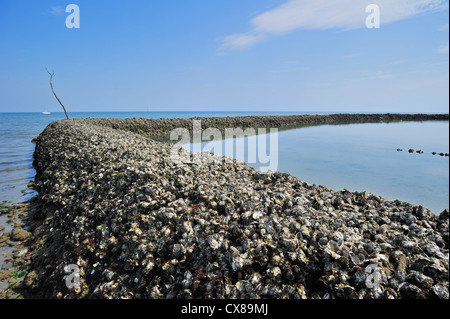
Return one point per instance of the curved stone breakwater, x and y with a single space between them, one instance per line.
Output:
161 128
114 207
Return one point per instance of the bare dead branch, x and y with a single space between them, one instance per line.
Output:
51 85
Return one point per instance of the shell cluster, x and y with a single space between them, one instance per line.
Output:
139 225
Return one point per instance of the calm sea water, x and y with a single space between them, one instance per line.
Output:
358 157
364 157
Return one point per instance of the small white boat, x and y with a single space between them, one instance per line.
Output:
46 112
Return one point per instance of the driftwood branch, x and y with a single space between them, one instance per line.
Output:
51 85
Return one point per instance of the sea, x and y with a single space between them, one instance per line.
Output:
356 157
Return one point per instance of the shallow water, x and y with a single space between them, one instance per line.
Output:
5 225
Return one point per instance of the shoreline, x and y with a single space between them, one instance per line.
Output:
112 203
15 252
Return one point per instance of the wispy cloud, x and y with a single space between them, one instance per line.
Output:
443 49
351 56
241 41
444 27
396 62
322 15
57 10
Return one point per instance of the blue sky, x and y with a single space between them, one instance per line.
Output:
225 55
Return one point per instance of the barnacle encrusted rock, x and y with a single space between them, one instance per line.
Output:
19 234
139 225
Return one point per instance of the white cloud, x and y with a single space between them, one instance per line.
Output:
322 15
242 41
444 27
443 49
57 10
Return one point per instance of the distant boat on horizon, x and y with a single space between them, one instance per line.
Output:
46 112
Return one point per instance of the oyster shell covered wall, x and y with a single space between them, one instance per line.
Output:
139 225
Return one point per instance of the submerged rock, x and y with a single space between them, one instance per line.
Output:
19 234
